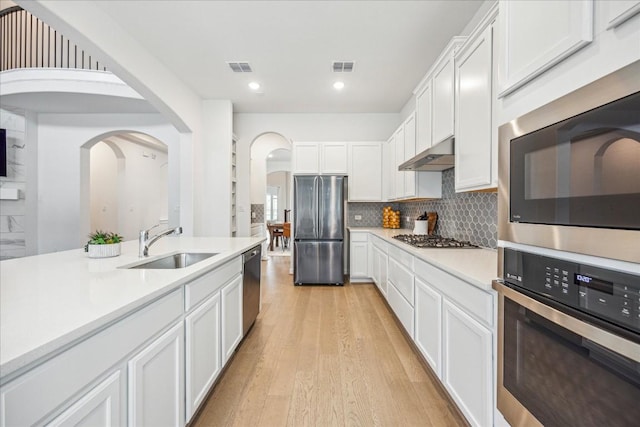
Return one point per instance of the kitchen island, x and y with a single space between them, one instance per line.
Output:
64 311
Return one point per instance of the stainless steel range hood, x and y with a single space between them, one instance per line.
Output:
437 158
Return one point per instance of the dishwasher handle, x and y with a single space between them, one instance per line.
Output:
251 253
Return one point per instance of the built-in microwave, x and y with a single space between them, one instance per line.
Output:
569 172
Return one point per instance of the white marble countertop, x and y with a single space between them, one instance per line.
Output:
48 301
476 266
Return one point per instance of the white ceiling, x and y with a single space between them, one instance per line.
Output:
291 44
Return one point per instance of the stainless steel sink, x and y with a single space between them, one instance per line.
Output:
179 260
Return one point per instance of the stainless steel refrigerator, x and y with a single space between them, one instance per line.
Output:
318 230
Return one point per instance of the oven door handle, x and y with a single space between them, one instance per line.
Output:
604 338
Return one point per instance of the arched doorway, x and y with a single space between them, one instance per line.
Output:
127 175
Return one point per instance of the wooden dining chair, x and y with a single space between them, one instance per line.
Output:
286 235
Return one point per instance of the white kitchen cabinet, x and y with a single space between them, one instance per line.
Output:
156 382
313 158
443 100
203 357
435 99
378 267
424 115
537 35
389 172
359 256
101 407
305 158
365 171
476 136
409 151
398 144
400 292
401 307
468 367
231 317
333 158
428 324
618 11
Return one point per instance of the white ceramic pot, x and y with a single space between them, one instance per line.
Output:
420 227
104 251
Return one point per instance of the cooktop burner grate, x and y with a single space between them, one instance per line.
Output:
433 241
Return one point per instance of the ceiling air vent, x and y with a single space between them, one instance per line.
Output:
240 67
342 66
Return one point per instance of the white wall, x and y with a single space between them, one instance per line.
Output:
134 198
300 127
63 185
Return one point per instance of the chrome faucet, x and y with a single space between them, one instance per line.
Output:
145 241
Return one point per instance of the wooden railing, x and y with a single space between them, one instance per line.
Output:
27 42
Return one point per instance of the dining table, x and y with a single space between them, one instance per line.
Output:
276 230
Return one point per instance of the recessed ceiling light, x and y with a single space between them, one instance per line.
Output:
338 85
254 85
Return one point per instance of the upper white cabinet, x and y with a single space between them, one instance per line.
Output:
424 115
435 101
621 10
365 172
402 185
476 138
315 158
333 158
306 158
536 35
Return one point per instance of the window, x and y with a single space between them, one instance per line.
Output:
271 204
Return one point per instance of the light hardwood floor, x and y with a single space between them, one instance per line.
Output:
324 356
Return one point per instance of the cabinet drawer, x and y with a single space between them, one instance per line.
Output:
202 287
402 279
401 257
357 236
380 244
402 309
37 393
476 302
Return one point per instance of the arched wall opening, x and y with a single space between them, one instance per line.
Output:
128 184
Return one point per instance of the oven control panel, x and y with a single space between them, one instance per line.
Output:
608 294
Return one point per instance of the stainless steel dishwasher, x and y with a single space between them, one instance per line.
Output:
251 287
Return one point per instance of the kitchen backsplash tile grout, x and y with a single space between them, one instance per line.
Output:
462 216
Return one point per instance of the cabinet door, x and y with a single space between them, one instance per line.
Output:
474 135
333 160
409 151
390 169
468 365
358 260
539 35
383 263
399 158
365 172
423 118
203 354
156 382
443 100
231 324
306 158
428 324
100 407
401 307
618 11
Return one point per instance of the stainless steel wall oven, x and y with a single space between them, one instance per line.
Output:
568 343
569 172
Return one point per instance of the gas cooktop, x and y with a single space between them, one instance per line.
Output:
432 241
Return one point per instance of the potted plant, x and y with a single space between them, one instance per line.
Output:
103 244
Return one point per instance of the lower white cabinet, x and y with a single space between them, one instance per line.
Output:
378 268
156 382
101 407
401 307
358 257
428 324
231 325
203 354
468 364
